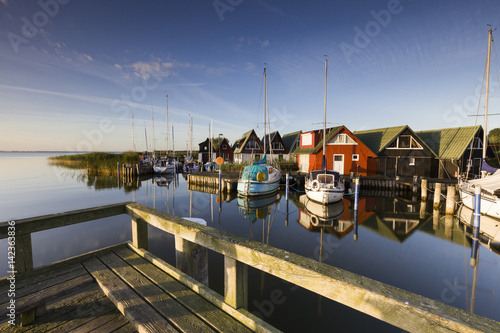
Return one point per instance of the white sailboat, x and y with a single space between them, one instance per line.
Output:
324 186
259 178
489 183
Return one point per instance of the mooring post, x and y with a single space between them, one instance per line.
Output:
287 184
423 189
435 219
477 224
423 208
356 194
437 195
450 200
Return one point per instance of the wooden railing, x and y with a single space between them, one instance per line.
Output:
397 307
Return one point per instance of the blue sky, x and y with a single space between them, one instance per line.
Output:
73 72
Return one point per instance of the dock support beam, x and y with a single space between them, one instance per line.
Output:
140 234
235 283
191 259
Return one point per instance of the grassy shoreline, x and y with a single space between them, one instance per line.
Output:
96 163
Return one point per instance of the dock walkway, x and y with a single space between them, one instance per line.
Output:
115 290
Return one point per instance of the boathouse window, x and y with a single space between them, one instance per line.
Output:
224 147
342 139
306 139
355 157
277 146
405 142
476 144
412 160
252 145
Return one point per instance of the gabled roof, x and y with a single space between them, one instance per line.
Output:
243 141
289 139
329 135
270 136
449 143
378 139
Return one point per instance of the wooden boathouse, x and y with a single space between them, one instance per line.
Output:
127 288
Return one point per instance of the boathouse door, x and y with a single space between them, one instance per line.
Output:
338 163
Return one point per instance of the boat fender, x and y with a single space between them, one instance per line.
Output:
315 185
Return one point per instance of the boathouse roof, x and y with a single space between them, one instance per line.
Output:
449 143
290 139
378 139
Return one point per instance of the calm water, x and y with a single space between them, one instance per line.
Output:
397 243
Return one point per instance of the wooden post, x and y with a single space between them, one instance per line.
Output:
235 283
437 195
23 254
140 234
424 189
450 200
191 259
423 208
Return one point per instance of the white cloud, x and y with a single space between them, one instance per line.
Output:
144 70
84 58
265 43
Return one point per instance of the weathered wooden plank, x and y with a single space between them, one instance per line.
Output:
119 324
47 294
38 287
62 263
217 318
137 311
243 316
39 223
97 323
392 305
84 302
34 279
175 313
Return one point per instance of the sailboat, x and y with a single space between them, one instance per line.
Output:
489 183
324 186
163 165
259 178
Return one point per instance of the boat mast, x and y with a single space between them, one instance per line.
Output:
146 136
166 135
153 125
265 108
323 162
133 137
485 134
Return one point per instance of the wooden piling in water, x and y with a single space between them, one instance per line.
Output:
437 195
450 200
423 186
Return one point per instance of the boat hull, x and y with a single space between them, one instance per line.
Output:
255 188
325 195
490 205
164 169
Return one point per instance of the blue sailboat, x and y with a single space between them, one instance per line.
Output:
259 179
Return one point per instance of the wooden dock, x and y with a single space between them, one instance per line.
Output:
126 288
229 180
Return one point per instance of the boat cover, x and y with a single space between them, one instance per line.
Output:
488 168
490 183
250 172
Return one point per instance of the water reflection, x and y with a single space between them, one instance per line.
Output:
397 236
